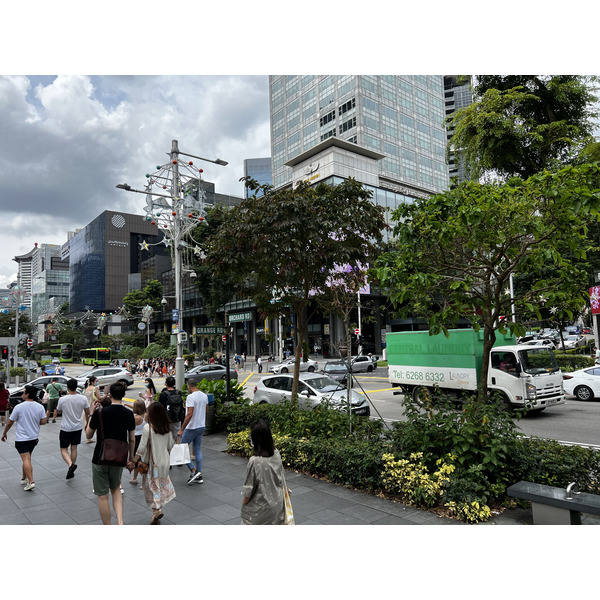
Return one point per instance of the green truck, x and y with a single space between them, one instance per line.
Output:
524 375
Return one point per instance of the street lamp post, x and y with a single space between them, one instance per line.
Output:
179 213
15 300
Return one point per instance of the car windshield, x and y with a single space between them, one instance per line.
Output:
538 360
571 338
323 384
335 367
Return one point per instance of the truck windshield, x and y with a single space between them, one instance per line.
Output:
538 360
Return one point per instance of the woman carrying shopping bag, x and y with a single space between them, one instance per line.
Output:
154 449
265 497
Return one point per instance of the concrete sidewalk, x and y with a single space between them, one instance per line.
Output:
58 501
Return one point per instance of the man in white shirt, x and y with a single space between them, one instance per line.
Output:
192 429
72 406
28 415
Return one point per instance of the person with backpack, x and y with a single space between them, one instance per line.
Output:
172 400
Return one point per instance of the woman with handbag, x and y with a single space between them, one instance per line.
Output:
265 495
154 450
92 392
139 416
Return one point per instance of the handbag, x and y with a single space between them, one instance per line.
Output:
180 455
288 519
142 467
112 452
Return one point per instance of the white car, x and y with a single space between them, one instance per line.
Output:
583 384
287 366
363 364
572 341
545 343
313 388
107 376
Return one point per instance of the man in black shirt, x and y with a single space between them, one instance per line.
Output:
117 423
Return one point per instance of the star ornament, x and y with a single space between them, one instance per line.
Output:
144 245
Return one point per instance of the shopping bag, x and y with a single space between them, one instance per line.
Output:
180 454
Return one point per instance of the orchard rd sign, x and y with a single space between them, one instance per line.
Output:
238 317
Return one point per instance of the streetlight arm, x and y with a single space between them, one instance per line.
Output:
128 188
218 161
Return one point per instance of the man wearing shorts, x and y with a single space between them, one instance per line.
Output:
117 423
28 415
54 389
72 406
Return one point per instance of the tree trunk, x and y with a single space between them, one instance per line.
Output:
489 339
301 335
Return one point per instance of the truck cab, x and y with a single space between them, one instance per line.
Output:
526 375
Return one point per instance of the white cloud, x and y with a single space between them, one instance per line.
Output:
66 142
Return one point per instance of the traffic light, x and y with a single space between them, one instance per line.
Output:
4 353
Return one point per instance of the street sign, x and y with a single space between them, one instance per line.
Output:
237 317
212 330
224 338
175 314
357 331
29 343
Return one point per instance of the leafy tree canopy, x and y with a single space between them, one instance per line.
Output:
519 125
135 300
283 247
454 253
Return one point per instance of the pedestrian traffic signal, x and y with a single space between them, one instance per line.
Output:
4 353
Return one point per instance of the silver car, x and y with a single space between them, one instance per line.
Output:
363 364
287 366
210 372
313 389
107 376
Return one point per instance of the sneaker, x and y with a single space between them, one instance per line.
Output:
24 481
71 471
54 420
195 478
29 486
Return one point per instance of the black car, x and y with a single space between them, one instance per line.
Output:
338 371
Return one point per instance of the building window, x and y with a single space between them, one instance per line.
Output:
348 125
347 106
327 118
328 134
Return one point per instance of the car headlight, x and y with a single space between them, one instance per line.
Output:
531 391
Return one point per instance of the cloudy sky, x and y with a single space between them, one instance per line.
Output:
67 141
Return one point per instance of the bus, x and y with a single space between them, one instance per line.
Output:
100 356
64 352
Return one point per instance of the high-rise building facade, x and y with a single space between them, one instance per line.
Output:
457 95
260 170
400 117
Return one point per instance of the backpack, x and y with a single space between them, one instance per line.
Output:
175 408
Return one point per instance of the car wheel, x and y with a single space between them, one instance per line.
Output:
284 370
583 392
370 369
311 369
263 402
125 384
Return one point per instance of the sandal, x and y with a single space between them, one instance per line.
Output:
133 481
156 517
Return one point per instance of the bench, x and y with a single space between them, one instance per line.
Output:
550 505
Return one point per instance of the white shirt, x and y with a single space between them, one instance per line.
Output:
198 401
27 416
72 406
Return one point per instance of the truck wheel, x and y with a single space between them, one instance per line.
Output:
422 395
583 392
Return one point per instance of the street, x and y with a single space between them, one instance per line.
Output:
574 422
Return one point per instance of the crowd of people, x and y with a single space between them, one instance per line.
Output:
141 440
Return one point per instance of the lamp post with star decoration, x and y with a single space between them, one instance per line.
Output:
176 208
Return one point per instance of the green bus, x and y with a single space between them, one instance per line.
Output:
100 356
64 352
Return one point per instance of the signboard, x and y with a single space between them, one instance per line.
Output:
209 330
357 331
29 343
595 300
237 317
175 314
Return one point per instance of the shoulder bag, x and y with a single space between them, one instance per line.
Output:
112 452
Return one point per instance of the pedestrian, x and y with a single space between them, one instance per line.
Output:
43 371
139 416
148 394
28 415
172 400
259 363
192 429
263 501
115 422
54 390
92 392
186 364
4 397
73 405
155 449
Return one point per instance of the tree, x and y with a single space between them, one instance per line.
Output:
282 247
151 294
454 253
519 125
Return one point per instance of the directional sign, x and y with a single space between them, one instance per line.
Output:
209 330
237 317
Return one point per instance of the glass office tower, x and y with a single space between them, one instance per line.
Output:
400 117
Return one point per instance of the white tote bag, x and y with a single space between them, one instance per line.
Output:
180 454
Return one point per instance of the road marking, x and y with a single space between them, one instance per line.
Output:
374 391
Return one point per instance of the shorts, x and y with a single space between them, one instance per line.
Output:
52 404
105 478
69 438
26 446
